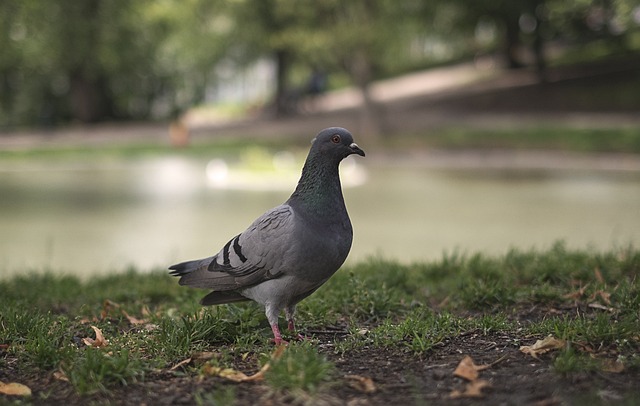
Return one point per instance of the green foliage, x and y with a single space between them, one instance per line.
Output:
570 361
300 367
40 337
96 369
122 59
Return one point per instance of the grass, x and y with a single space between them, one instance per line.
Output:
152 324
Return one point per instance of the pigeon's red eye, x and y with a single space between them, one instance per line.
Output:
335 139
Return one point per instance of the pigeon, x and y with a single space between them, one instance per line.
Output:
292 249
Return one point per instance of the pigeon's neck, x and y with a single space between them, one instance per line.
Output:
319 192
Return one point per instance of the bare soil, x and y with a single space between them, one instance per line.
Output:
399 377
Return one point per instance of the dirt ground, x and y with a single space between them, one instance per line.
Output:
398 378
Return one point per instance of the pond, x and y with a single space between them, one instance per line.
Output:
85 215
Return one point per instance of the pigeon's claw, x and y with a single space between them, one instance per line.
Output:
277 337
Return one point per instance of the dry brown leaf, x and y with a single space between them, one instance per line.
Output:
196 356
203 355
232 374
61 376
99 341
133 320
237 376
598 275
468 370
577 294
549 343
15 389
612 365
601 307
604 296
472 389
107 307
180 364
362 384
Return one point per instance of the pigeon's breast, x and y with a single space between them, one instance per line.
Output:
322 250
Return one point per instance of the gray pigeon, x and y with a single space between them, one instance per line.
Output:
292 249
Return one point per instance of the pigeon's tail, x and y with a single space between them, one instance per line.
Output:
185 268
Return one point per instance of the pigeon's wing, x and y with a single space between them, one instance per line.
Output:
247 259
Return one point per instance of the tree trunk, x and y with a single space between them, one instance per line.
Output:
512 41
88 101
361 72
281 103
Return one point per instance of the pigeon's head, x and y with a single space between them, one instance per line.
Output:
337 142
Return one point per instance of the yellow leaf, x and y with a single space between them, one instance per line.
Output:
362 384
549 343
468 370
237 376
232 375
98 342
16 389
180 364
614 366
473 389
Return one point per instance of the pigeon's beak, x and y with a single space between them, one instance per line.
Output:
355 149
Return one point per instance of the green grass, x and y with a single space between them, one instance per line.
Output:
414 308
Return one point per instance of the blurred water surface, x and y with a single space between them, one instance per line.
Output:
89 216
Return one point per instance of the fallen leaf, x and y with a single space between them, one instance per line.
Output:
238 376
203 355
614 366
362 384
145 311
180 364
604 296
16 389
99 342
577 294
133 320
549 343
601 307
196 356
61 376
107 306
472 389
468 370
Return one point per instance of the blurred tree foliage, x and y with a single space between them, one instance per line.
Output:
96 60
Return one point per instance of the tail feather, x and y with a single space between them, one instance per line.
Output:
187 267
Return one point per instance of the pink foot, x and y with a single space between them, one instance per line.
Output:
292 328
277 337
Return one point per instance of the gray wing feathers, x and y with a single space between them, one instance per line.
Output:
247 259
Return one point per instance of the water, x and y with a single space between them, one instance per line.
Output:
103 215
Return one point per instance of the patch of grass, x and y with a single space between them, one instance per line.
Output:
38 337
570 361
300 368
97 369
590 299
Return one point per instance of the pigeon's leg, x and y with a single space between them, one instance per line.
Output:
272 315
290 312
